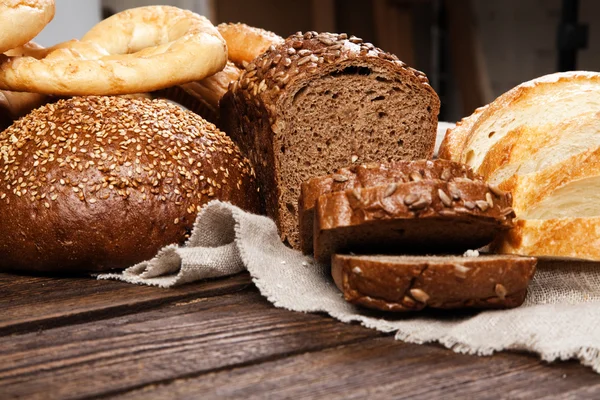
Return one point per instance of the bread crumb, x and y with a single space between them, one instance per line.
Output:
471 253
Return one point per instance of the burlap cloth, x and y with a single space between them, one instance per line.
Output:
559 320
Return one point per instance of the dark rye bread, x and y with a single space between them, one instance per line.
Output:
320 102
410 283
95 183
368 175
419 217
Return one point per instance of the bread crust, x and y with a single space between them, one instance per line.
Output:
96 183
401 284
22 20
369 175
245 43
111 60
424 216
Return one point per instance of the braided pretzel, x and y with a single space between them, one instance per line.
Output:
138 50
22 20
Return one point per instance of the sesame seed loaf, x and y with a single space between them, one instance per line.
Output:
320 102
411 283
419 217
95 183
369 175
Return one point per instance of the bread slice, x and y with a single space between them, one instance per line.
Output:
369 175
423 217
320 102
410 283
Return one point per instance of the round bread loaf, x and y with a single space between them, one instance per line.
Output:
96 183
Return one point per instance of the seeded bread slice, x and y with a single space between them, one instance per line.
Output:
369 175
411 283
320 102
421 217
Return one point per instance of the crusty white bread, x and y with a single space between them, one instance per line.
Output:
541 141
558 237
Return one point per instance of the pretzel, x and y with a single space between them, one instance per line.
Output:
245 43
22 20
138 50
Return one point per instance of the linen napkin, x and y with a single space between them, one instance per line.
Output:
559 320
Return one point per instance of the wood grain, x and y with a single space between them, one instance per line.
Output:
184 339
32 303
385 368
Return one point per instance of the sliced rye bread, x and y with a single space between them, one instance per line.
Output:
410 283
369 175
320 102
419 217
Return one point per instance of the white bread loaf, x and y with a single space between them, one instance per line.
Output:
541 141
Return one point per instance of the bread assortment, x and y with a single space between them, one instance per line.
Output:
392 217
320 102
326 134
540 142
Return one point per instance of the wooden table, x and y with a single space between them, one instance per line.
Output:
78 338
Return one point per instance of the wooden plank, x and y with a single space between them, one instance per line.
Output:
32 303
185 339
384 368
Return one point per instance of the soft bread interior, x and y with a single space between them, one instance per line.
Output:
580 198
359 113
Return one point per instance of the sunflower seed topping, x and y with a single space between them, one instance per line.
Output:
488 198
390 189
500 291
454 192
420 204
340 178
356 194
419 295
446 200
482 205
460 271
446 175
416 176
411 199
